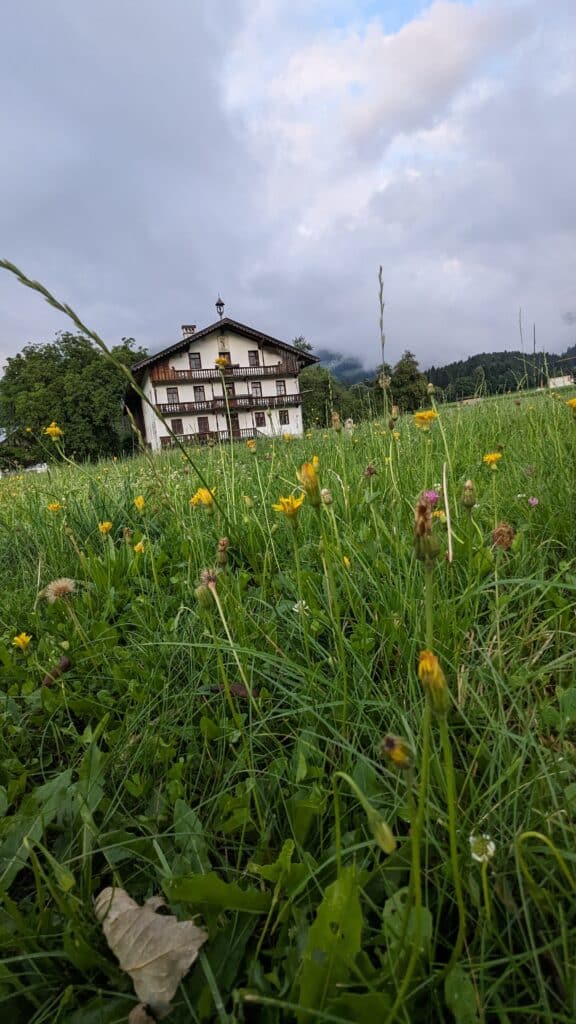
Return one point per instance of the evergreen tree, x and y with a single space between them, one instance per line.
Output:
408 385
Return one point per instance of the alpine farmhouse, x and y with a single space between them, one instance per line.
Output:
226 381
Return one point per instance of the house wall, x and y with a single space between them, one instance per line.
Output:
210 347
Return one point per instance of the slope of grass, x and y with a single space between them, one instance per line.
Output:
218 737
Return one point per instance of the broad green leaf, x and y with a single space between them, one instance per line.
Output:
35 815
368 1008
334 940
189 838
210 892
460 996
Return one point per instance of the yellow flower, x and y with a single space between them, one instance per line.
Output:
397 750
572 403
289 506
347 562
21 641
105 527
28 430
251 444
287 437
203 497
440 514
139 502
55 506
433 680
395 434
53 431
308 477
139 547
425 418
492 458
221 361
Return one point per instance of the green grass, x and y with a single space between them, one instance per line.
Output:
228 752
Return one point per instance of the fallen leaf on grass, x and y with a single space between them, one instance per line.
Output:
156 950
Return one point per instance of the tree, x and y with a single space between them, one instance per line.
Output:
70 381
408 384
301 344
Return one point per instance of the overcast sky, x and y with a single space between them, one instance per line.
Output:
277 151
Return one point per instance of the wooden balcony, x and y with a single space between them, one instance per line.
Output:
238 403
212 436
162 374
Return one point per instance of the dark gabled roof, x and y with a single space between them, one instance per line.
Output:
247 332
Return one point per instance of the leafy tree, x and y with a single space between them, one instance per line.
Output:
408 384
322 392
70 381
301 344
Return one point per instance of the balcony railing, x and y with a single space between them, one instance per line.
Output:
236 403
158 374
212 436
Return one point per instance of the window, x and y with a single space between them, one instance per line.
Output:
199 394
284 417
195 360
176 426
280 387
230 390
257 389
172 396
260 419
254 358
203 425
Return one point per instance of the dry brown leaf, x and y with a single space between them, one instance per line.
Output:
156 950
140 1015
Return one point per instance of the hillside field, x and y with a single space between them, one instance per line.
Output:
340 744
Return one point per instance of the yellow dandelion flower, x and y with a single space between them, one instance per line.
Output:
347 562
433 680
572 403
289 506
440 514
55 506
308 477
203 497
53 431
221 362
139 547
139 502
397 750
492 458
425 418
251 444
105 527
21 641
287 437
395 434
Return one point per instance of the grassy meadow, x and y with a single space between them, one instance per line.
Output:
340 744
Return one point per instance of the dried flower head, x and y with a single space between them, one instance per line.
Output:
468 496
336 422
370 470
503 535
209 577
58 589
222 551
326 495
426 545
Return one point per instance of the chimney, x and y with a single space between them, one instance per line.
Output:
188 330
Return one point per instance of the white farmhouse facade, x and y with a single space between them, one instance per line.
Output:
226 381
